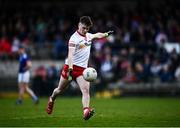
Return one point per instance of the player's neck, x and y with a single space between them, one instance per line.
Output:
80 34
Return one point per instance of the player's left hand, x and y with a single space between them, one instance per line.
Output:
70 74
109 33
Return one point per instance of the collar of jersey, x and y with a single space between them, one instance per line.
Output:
80 34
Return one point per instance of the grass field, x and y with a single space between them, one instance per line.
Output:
122 112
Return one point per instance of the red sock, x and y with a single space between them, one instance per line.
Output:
86 108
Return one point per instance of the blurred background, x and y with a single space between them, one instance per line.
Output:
141 58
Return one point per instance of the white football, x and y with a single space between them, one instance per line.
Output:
90 74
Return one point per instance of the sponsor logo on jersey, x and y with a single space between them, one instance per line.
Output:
83 44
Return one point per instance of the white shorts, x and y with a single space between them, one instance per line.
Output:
24 77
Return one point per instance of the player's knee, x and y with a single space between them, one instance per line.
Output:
22 88
21 91
26 88
85 90
57 90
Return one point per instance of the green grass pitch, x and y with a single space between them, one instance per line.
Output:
120 112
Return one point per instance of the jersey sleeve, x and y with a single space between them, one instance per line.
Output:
72 42
90 36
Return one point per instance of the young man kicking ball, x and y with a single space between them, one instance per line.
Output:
78 55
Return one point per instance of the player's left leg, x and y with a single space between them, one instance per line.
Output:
31 93
85 87
26 79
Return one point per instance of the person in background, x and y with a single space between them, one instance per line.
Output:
24 76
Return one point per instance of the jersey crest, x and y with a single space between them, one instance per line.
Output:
83 44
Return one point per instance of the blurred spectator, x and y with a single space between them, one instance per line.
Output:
98 44
15 44
127 36
132 54
161 38
40 81
107 68
130 76
177 73
165 74
106 71
15 47
146 67
124 62
156 67
97 59
116 67
41 30
52 77
139 71
5 48
60 48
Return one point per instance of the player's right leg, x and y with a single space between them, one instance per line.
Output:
20 93
21 89
61 87
88 113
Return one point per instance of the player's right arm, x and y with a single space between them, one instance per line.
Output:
71 50
28 64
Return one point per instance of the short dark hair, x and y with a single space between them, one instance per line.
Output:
86 20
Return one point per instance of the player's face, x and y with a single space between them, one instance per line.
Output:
83 29
21 51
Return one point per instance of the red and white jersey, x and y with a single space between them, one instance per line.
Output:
82 49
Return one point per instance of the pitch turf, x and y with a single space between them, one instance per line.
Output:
122 112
